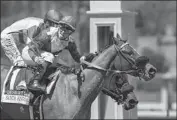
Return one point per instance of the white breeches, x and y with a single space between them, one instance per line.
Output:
9 46
12 52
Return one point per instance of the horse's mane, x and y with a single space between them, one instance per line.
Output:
103 49
54 69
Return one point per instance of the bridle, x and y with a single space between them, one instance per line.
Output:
116 95
135 69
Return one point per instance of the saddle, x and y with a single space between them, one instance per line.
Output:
16 96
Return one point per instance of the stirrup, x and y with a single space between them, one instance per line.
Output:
37 90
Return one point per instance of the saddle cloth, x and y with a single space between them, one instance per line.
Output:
15 90
16 100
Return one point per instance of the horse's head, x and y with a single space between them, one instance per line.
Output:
118 88
128 61
131 61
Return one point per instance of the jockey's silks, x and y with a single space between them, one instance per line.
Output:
29 26
48 40
41 38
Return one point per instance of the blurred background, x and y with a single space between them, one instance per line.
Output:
155 36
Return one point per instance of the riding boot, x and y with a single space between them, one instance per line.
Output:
35 84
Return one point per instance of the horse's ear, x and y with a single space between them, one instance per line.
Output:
116 39
118 36
124 40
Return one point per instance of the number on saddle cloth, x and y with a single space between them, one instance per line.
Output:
19 100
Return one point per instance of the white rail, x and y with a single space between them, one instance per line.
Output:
157 109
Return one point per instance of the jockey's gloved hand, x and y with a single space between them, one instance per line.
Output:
88 58
39 60
82 58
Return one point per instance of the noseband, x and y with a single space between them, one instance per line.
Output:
116 95
135 69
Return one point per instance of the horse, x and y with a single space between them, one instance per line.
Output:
74 101
125 63
71 100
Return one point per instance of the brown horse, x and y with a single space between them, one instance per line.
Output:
71 100
124 62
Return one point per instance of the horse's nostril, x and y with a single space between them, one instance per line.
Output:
133 102
152 71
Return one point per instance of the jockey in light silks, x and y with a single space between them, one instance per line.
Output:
15 37
50 41
20 33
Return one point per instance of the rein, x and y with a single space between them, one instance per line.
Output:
116 95
108 70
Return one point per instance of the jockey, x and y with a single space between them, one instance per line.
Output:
20 33
51 41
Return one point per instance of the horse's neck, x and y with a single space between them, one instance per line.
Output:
79 100
106 57
93 78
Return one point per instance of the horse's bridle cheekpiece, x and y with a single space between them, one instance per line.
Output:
135 68
136 71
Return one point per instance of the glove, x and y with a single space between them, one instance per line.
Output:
82 58
39 60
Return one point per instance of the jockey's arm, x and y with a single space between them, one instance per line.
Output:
73 51
37 44
33 50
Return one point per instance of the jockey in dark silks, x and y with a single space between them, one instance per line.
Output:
49 42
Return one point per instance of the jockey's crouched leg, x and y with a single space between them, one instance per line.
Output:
36 84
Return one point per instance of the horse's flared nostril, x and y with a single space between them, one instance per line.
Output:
130 104
133 102
152 72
